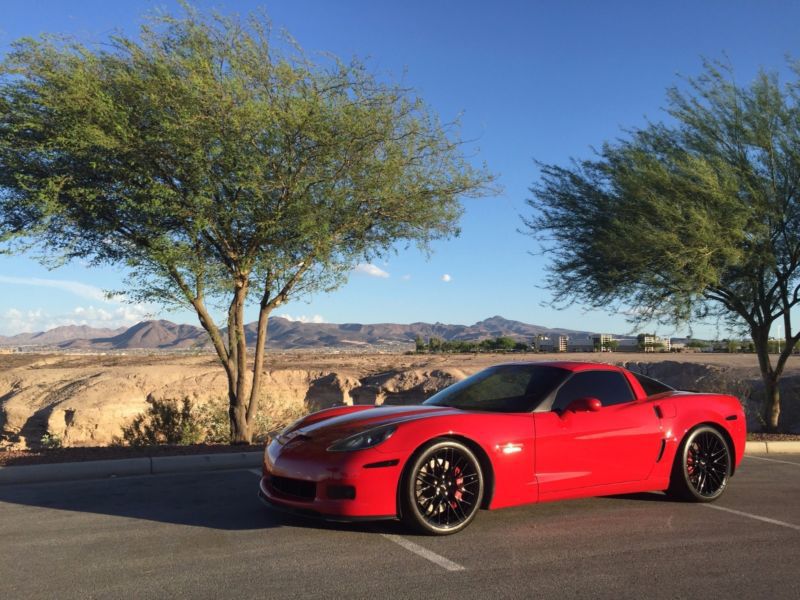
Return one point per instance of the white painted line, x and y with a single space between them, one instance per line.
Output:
785 462
756 517
255 471
436 559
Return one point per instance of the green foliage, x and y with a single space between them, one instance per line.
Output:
419 344
165 422
695 218
435 344
220 166
214 421
275 417
51 441
500 344
184 423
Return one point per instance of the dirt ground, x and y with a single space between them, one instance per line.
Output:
373 361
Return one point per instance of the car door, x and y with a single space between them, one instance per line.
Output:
620 442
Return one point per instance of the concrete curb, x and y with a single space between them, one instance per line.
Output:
206 462
100 469
772 448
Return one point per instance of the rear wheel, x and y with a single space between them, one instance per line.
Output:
442 489
702 466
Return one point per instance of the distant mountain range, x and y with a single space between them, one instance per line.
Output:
283 334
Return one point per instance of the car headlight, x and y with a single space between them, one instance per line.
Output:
364 439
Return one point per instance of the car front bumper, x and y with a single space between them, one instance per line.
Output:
334 485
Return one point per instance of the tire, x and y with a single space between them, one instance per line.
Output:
702 466
442 488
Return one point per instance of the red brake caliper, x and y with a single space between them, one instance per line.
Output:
690 462
459 483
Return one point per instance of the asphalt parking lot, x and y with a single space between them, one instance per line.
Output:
205 535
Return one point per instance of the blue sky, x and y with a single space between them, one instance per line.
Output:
531 80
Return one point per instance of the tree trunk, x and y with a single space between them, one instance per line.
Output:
240 425
771 407
772 403
240 428
258 363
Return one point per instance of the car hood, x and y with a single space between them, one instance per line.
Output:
330 430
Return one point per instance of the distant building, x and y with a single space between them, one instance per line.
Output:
551 343
584 344
603 342
649 342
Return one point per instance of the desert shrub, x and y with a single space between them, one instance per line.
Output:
213 418
181 423
165 422
273 416
50 441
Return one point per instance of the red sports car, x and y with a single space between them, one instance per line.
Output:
511 434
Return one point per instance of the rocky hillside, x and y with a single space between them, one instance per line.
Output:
86 400
59 335
283 334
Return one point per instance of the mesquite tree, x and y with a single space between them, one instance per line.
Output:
219 167
697 216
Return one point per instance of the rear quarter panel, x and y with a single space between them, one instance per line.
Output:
683 411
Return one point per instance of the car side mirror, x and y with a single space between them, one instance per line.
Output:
586 404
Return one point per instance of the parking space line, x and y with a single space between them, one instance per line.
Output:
756 517
436 559
255 471
775 460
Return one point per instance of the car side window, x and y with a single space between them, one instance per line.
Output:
610 387
651 386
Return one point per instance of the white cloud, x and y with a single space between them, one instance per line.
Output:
74 287
27 321
303 318
406 277
446 278
371 270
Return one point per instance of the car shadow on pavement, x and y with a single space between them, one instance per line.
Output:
225 500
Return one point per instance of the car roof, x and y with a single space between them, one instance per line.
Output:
569 365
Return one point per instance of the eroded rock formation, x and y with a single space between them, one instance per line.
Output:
86 400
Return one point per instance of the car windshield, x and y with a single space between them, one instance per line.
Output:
505 388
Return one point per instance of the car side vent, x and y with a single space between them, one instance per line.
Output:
657 409
382 463
661 450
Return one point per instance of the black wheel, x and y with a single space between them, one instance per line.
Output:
442 488
702 466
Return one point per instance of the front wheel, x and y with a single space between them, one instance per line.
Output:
702 466
442 489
